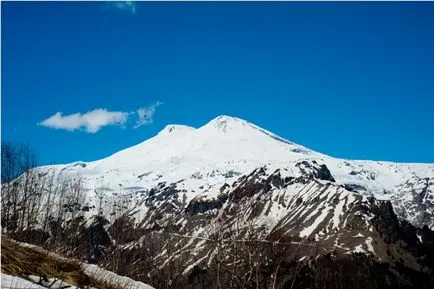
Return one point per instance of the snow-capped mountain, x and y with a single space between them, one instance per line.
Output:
231 194
199 161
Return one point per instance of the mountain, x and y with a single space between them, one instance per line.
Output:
233 195
202 160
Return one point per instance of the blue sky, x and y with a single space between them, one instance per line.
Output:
352 80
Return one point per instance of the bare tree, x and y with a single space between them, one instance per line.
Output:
50 190
20 194
74 197
9 192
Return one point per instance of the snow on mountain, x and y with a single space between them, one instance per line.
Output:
201 160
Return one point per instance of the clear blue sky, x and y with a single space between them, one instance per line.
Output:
352 80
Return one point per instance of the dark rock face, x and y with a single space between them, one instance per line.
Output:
386 221
354 187
320 172
202 206
324 174
402 234
249 186
276 180
165 196
427 235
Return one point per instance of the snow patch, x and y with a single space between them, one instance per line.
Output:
309 230
369 244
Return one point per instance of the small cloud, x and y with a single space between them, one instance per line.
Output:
145 114
96 119
127 6
91 121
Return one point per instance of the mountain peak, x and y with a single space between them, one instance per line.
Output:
225 117
172 129
225 123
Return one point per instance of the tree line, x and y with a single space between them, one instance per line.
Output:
35 200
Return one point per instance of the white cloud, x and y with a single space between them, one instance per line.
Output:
94 120
145 114
128 6
91 121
